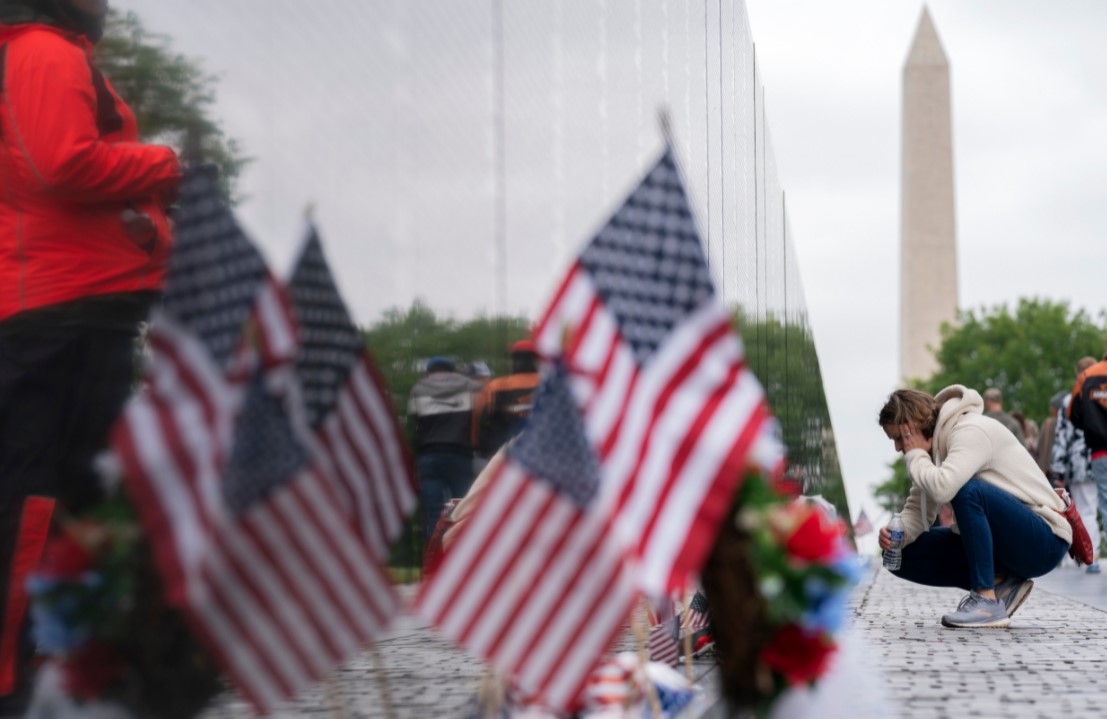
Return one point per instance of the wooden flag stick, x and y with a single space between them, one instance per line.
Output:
490 695
382 683
687 636
644 659
335 704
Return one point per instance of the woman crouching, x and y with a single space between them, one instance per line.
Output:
1008 527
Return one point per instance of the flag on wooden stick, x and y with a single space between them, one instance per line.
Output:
661 377
537 583
648 393
250 538
359 446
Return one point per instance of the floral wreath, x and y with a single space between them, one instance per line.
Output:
783 569
101 624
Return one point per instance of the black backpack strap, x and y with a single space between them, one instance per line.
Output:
108 119
3 73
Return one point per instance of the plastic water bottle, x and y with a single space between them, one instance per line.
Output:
893 555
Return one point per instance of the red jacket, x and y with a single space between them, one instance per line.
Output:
70 165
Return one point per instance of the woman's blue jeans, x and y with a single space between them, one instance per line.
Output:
999 536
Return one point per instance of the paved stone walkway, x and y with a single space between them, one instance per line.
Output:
1051 662
896 661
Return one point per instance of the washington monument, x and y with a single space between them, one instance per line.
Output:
928 234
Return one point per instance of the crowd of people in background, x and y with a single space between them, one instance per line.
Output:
1060 446
1011 486
460 417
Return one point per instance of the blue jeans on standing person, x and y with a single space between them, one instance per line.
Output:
1099 476
442 477
999 536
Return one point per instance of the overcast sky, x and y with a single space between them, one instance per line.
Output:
317 92
1030 164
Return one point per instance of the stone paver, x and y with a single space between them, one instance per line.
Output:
896 660
1051 662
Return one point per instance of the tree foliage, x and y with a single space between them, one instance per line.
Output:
171 95
782 355
402 340
891 494
1029 354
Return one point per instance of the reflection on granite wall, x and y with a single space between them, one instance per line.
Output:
512 129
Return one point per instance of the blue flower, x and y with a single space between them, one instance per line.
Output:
850 567
827 606
52 627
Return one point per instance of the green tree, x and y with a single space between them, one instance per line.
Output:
782 355
402 339
171 95
891 494
1029 354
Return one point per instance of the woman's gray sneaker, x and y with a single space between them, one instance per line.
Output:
1013 592
976 611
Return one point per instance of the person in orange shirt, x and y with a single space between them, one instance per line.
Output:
504 403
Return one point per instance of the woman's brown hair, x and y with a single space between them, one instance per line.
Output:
910 406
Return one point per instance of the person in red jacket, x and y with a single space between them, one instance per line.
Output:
84 243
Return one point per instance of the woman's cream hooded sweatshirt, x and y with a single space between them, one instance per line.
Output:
967 444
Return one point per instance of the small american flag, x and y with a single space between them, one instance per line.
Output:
667 398
698 614
661 414
663 640
250 539
359 446
536 584
863 525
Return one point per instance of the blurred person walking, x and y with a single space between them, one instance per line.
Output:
440 408
1088 411
1048 433
1069 467
993 407
84 243
1030 431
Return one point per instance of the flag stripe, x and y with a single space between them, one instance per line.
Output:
686 558
260 547
273 570
277 334
501 579
246 577
363 441
225 594
233 652
347 473
600 590
324 589
368 579
469 599
629 461
511 595
372 390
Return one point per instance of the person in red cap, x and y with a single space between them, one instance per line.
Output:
504 403
84 243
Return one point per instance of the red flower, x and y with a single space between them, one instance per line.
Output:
798 655
91 669
65 558
815 539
